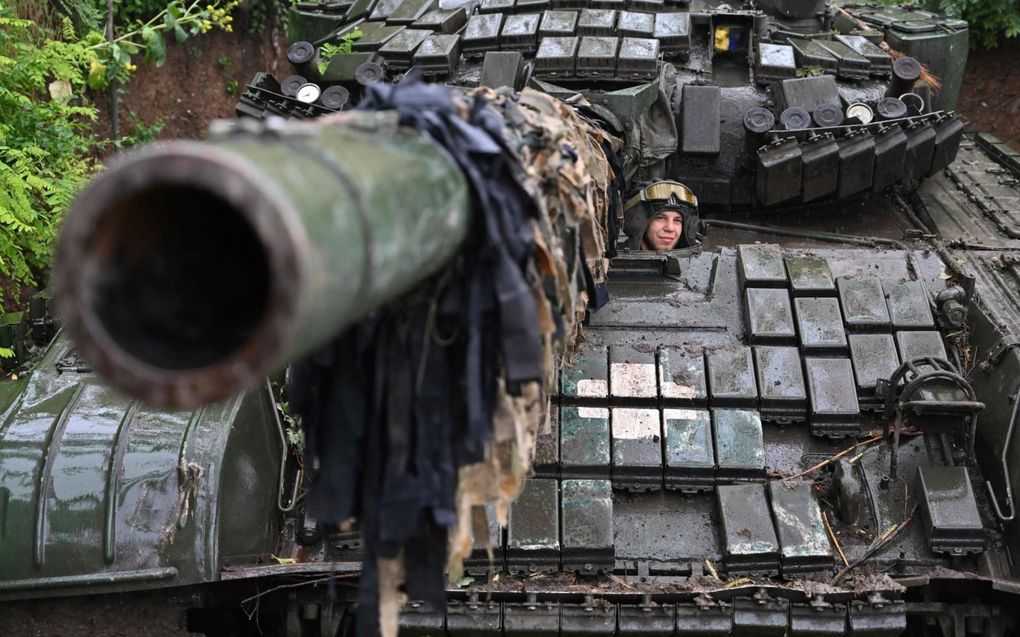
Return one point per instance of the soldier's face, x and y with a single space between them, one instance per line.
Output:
663 231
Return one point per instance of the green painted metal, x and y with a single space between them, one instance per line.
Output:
344 218
101 493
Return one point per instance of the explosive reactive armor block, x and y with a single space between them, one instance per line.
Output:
749 540
761 266
410 11
520 32
779 172
587 516
682 377
555 56
909 308
820 325
442 20
533 540
833 394
638 58
731 378
481 33
810 276
636 448
769 317
438 54
631 372
874 357
636 25
597 22
780 383
584 442
775 62
890 154
689 451
673 31
596 57
739 445
820 175
558 23
863 302
700 119
804 544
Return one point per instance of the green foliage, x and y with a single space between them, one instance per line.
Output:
45 140
112 58
233 88
328 51
263 12
86 14
140 133
989 19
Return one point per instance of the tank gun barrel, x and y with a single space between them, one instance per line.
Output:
189 270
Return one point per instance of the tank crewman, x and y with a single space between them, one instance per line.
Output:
661 216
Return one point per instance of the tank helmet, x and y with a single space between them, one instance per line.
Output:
652 198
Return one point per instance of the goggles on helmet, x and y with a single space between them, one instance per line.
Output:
663 193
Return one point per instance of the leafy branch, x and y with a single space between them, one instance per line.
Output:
328 51
112 58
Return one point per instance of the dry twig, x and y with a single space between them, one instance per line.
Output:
832 459
877 545
835 540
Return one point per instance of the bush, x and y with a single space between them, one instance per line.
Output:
45 141
989 19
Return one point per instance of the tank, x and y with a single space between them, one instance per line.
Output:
802 425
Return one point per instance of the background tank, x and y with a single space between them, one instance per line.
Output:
681 81
679 489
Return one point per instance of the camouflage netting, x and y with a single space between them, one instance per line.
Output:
567 173
425 416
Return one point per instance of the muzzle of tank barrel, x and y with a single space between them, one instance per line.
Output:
188 271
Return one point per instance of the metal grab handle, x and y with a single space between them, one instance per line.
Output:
1005 469
285 448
